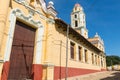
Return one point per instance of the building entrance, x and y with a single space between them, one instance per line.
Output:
21 57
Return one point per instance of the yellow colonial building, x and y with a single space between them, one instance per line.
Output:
34 44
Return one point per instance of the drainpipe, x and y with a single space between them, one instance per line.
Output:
66 69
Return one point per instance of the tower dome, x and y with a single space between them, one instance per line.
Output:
77 5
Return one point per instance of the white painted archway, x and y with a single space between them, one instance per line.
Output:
17 13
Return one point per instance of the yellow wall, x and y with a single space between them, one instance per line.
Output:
58 51
53 39
6 8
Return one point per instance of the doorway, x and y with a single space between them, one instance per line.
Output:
22 52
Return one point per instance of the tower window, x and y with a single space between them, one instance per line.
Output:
75 8
76 23
75 16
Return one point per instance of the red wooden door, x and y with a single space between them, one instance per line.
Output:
21 57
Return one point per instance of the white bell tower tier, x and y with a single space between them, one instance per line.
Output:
78 20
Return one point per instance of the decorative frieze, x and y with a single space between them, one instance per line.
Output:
19 14
31 10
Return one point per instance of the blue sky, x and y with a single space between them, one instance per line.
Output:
102 16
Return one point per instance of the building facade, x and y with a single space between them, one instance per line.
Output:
33 43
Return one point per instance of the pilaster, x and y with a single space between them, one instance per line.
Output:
48 71
77 53
4 4
50 25
83 55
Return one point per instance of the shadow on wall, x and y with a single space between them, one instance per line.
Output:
114 76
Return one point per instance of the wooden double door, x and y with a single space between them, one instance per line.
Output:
21 57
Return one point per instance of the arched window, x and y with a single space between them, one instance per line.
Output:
75 8
86 56
92 58
72 50
75 16
80 53
76 23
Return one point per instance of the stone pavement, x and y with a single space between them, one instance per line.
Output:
107 75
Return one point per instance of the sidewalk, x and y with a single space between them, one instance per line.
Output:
106 75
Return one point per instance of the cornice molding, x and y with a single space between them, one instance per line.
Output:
31 10
29 18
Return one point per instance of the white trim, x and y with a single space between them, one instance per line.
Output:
10 37
39 46
17 13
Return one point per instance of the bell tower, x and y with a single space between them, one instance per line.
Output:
78 20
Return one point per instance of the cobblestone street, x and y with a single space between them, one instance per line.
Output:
107 75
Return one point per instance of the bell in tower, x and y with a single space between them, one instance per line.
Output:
78 20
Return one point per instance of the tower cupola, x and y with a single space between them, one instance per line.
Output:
77 7
78 21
